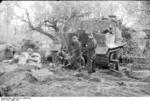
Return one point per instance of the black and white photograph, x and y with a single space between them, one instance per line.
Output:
75 48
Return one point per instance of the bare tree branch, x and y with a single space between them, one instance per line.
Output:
30 24
45 33
144 10
38 29
27 14
18 17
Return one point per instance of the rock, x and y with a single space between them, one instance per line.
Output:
121 84
5 67
35 60
42 74
23 58
10 81
88 77
15 80
2 56
141 74
82 74
4 91
94 79
79 74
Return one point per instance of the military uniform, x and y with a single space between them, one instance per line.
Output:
63 57
90 47
9 52
76 56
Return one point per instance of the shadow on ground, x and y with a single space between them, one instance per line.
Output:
21 81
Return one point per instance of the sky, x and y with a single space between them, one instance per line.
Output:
29 6
21 12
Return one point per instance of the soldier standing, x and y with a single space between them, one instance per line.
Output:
90 48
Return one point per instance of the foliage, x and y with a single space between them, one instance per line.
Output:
30 44
55 19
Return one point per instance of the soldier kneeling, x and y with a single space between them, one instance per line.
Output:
76 56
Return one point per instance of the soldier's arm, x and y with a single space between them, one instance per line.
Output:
88 46
91 45
76 47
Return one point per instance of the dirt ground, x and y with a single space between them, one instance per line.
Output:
20 81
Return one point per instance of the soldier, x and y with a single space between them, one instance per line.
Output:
62 56
9 52
76 53
90 48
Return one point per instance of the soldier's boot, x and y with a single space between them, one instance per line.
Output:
89 66
80 63
93 66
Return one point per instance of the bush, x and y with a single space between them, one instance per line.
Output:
30 44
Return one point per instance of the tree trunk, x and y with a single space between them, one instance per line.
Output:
45 33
